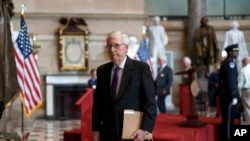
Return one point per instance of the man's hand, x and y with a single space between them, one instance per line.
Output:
164 92
139 135
234 101
96 136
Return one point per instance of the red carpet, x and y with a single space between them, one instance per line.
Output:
72 135
167 129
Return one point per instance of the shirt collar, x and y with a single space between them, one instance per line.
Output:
188 68
164 65
121 66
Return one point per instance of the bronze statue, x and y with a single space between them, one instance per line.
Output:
10 7
207 50
9 87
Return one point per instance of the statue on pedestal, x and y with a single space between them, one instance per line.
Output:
206 45
235 36
157 39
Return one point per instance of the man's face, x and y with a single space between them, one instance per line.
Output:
235 54
94 74
186 63
116 50
161 61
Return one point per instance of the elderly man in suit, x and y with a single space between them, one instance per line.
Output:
244 87
164 81
122 84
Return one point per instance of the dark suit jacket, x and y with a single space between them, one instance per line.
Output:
136 92
164 80
228 79
91 82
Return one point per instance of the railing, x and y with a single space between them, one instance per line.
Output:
86 103
85 96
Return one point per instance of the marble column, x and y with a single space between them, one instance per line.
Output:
196 9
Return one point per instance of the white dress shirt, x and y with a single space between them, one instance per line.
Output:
121 66
162 67
244 77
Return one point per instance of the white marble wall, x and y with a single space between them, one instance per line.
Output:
46 25
103 17
82 6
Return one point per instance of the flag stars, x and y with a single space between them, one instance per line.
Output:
23 40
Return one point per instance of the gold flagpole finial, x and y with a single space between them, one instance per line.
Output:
144 31
23 8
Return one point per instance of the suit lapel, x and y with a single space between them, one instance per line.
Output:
161 71
126 76
108 77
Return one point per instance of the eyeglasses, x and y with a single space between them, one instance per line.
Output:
116 46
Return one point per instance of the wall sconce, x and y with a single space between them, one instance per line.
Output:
36 48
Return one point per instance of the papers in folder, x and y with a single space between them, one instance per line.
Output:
131 122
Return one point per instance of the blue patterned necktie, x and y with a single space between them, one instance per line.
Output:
115 82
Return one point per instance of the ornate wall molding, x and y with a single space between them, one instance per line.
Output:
181 25
92 37
86 16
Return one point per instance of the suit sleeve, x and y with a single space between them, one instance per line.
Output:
241 80
89 85
96 111
232 80
169 79
211 80
149 116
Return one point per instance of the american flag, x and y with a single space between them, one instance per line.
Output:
144 55
27 71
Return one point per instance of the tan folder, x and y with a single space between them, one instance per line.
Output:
131 122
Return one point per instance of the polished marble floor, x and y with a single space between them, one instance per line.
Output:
44 130
48 130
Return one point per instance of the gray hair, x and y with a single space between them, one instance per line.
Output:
162 57
187 59
117 33
246 60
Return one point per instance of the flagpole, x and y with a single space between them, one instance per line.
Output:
23 8
22 120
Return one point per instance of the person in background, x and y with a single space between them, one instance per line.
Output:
122 84
92 81
212 88
163 83
187 64
228 90
244 87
